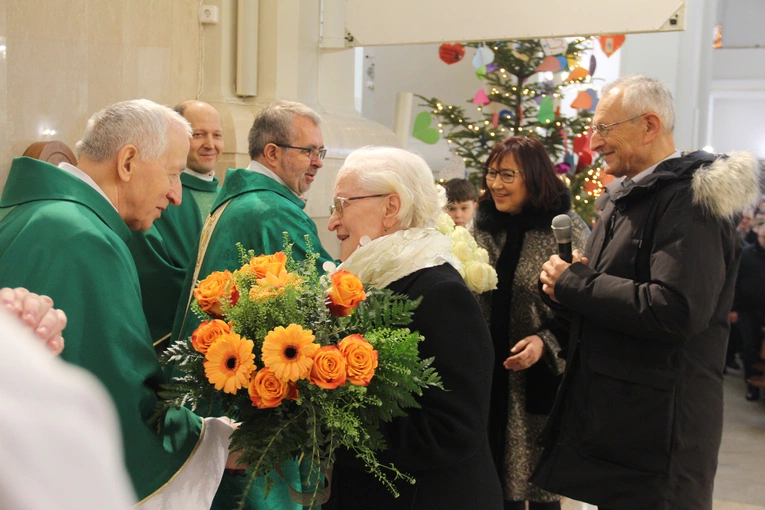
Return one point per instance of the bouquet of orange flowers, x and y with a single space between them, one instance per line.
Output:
306 362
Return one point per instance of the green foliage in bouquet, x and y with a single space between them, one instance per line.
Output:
306 362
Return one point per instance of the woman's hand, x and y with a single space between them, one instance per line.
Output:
38 313
528 351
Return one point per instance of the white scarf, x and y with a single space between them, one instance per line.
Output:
389 258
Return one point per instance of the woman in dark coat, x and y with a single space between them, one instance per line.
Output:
384 211
513 223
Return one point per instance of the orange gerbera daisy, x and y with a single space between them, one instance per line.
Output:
229 362
289 351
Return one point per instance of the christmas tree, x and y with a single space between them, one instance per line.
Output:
516 101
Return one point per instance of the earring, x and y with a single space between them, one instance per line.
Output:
385 229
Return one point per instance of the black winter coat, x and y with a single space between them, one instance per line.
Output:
638 421
750 286
444 445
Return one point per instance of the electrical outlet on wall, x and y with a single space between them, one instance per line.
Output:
208 14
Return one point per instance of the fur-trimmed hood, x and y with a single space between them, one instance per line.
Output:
723 185
730 185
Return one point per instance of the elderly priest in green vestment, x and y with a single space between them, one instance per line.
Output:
63 233
164 253
256 205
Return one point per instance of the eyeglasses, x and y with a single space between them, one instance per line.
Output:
313 154
603 129
339 203
507 176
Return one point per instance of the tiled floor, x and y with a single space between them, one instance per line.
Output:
740 481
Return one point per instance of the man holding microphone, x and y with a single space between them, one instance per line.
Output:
638 419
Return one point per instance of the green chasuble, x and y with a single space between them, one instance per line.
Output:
164 253
259 212
60 237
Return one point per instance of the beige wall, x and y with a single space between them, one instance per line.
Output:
66 59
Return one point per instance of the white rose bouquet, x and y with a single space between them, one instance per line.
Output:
475 268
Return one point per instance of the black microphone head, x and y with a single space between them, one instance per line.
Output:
561 228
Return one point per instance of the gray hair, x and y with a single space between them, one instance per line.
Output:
274 124
138 122
391 170
643 94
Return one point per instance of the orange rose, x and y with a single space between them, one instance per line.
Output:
328 370
268 264
211 292
346 293
207 333
267 390
273 285
360 359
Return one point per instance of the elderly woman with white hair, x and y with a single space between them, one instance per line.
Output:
384 213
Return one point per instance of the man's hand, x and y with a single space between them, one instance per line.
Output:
38 313
553 268
528 351
232 464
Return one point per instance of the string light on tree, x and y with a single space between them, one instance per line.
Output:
515 90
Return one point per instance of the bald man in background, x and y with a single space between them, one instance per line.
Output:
163 254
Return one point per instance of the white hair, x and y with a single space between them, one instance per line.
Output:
391 170
137 122
643 94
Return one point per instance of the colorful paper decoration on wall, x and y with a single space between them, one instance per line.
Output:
610 43
483 56
593 65
563 63
582 101
594 95
582 144
585 100
490 68
481 98
577 73
585 160
495 120
546 111
582 149
549 63
422 130
480 73
553 46
451 53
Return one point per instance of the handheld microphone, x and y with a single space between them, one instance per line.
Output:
561 228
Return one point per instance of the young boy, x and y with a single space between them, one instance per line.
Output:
462 200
